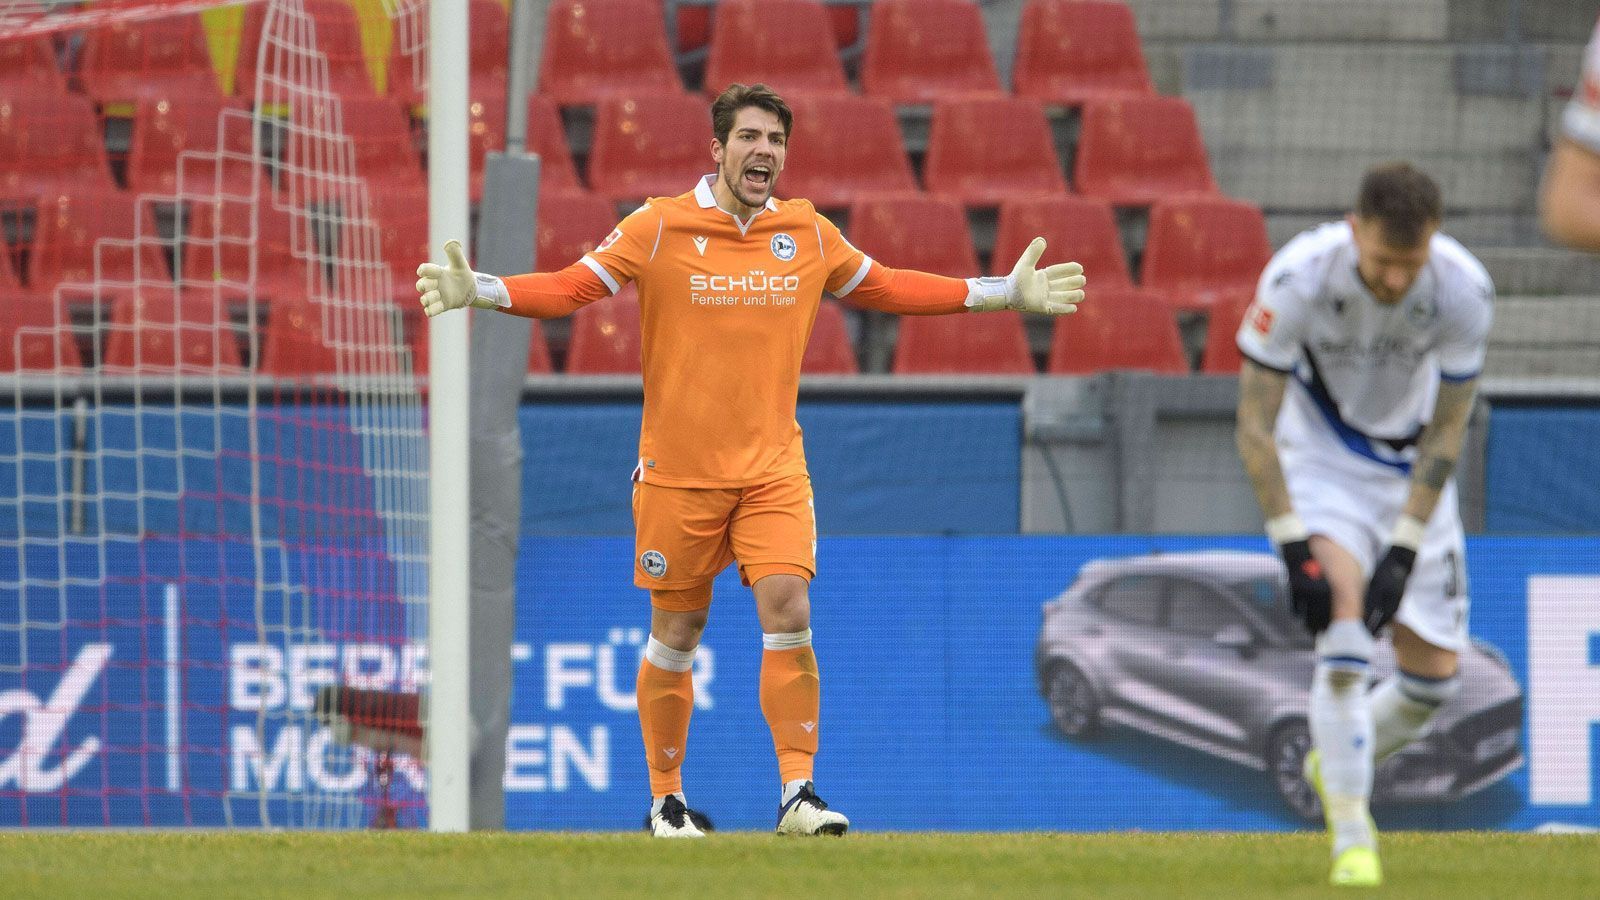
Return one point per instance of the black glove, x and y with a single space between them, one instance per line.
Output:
1310 597
1387 586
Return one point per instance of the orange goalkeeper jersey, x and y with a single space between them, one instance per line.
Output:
726 312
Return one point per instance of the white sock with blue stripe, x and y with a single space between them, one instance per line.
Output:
1402 707
1341 728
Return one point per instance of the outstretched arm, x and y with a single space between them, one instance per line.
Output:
543 295
1053 290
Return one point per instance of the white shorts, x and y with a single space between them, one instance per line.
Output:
1355 503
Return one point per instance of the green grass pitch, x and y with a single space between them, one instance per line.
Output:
170 865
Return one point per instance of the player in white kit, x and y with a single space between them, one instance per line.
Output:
1569 198
1362 353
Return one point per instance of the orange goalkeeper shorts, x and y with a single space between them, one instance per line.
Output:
685 536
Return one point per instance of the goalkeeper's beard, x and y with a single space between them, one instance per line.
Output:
735 184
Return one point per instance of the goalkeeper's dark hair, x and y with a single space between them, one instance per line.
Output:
739 96
1404 201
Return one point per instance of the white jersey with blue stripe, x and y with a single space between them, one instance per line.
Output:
1366 373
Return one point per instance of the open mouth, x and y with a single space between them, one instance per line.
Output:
758 177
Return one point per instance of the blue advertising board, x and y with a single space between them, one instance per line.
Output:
933 716
932 710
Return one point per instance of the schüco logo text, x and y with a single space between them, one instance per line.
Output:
752 282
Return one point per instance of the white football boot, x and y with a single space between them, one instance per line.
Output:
805 813
674 820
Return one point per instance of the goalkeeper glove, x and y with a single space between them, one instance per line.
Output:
1388 582
1310 595
455 285
1054 290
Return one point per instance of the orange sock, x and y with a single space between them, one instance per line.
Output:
791 696
666 699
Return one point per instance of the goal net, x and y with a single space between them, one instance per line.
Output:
213 461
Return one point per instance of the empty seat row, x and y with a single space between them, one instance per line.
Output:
1068 51
1131 151
981 148
124 61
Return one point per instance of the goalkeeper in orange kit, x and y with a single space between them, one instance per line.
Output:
729 283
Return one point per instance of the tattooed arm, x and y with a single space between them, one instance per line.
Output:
1260 394
1440 447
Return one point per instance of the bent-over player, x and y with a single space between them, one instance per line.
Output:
1362 353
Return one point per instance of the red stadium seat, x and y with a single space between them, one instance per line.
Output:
67 241
571 223
914 231
605 336
124 61
486 64
829 352
29 64
35 333
380 135
787 44
1201 250
164 128
1118 328
401 217
222 236
1137 150
694 27
846 19
594 49
411 333
1075 229
988 344
538 351
920 49
50 143
295 342
486 133
984 149
652 146
548 138
8 274
842 147
338 31
164 329
1070 52
416 324
1221 355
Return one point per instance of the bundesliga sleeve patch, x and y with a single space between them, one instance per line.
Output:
610 239
1261 319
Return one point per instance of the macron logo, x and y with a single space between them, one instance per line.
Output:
700 244
671 752
808 726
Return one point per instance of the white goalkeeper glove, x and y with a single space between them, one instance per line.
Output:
1054 290
455 285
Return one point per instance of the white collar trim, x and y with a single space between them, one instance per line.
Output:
706 199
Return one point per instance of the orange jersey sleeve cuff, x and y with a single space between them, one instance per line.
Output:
551 295
908 292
